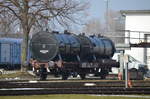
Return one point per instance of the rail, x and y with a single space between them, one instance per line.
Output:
72 87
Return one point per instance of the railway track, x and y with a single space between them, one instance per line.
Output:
72 87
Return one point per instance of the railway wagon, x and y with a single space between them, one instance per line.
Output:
10 53
69 54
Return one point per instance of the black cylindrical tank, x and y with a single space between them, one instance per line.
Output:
102 47
68 44
45 46
86 46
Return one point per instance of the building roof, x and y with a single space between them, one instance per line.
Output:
125 12
10 40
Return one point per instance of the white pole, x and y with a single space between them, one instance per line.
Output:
126 75
121 61
126 59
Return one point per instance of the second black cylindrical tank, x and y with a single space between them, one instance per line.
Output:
102 47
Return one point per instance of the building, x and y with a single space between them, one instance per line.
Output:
137 26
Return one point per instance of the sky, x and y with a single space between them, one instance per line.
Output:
98 7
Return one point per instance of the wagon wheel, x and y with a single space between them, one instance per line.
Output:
65 75
103 76
43 76
43 73
82 75
103 73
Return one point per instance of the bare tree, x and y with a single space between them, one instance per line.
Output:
6 24
114 21
93 26
31 13
115 24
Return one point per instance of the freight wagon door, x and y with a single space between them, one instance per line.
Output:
5 53
147 51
